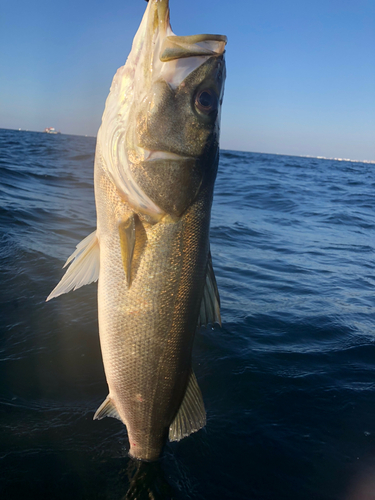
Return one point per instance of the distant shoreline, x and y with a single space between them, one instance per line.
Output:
221 149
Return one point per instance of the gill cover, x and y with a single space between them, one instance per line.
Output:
156 54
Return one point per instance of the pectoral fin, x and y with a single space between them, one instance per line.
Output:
84 268
191 416
127 238
210 305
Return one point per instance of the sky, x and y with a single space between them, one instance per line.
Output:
300 73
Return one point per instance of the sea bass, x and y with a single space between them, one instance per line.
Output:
155 166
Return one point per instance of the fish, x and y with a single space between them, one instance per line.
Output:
156 162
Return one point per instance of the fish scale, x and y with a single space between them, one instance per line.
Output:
146 340
155 167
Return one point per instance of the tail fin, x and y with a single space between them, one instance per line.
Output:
147 481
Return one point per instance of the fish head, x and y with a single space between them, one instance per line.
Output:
160 131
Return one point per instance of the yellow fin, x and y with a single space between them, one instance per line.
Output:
127 239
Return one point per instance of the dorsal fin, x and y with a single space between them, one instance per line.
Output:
210 305
191 416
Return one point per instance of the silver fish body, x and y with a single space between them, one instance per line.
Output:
155 167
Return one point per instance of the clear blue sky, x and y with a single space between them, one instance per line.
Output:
301 73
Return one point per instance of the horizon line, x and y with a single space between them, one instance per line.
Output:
222 149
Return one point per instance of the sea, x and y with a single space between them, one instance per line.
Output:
288 379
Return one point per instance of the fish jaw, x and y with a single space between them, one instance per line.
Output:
158 61
124 90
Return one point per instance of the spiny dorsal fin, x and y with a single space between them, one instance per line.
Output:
84 268
210 305
107 409
191 416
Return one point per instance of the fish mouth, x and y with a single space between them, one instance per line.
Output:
180 47
173 47
157 54
158 17
174 57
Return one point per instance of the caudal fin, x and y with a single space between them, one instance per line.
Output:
147 481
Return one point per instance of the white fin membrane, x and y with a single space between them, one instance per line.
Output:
210 306
84 268
191 416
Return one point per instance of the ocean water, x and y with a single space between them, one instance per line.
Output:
288 380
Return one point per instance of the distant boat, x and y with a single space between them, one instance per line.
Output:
51 130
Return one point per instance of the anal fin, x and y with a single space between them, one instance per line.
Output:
210 305
107 409
191 415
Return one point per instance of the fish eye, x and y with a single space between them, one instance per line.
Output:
206 101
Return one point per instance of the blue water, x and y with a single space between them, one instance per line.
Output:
288 380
